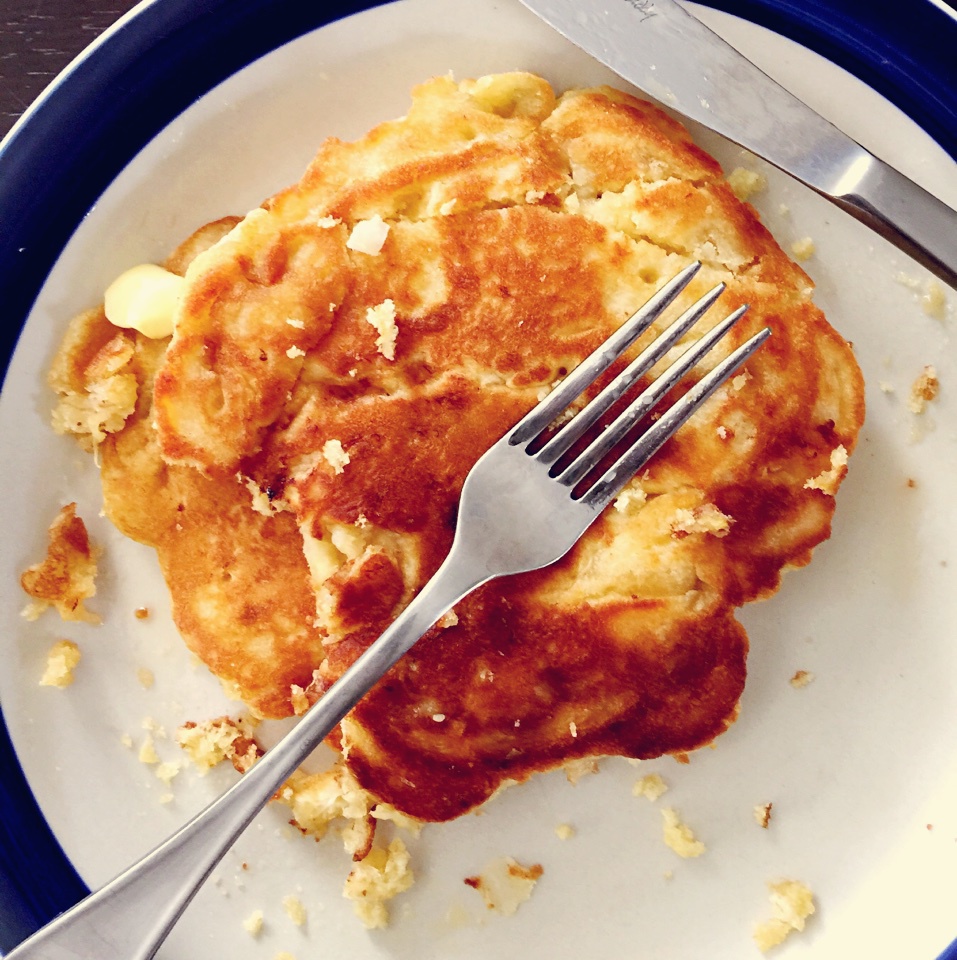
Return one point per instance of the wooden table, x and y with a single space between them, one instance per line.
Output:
38 38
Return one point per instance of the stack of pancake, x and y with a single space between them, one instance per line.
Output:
343 354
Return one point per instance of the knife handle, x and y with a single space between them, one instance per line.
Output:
908 216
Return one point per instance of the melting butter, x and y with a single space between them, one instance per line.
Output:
144 298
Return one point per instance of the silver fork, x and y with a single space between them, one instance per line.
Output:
524 504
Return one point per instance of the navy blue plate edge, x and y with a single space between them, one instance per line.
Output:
908 58
151 67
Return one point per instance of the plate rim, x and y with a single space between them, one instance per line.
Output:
158 56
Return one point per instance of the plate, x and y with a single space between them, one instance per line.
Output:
861 765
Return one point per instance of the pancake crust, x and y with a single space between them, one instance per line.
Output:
322 399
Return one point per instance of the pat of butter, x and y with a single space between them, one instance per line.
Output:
368 236
144 298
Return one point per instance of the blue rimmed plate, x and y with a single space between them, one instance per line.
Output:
188 111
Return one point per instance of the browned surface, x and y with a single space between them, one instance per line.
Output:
65 577
522 231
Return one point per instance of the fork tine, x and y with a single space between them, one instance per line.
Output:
585 418
645 402
611 483
534 422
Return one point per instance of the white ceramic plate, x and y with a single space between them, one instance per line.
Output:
861 765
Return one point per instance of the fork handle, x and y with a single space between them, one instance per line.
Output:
130 917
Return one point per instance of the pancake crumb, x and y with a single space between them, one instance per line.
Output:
210 742
335 455
259 499
746 183
762 814
95 394
298 699
376 879
448 619
704 519
803 249
382 317
934 301
505 884
253 924
801 679
581 767
61 661
924 389
829 480
564 831
679 836
66 577
167 771
317 800
147 753
294 910
652 786
633 497
791 904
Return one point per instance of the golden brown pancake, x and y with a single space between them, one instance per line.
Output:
344 354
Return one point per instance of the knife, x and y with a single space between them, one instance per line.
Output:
661 48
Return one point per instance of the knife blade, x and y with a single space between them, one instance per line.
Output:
661 48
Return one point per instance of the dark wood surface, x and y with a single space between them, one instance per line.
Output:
38 38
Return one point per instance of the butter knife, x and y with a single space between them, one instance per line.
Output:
661 48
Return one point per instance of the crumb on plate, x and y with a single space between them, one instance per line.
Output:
253 924
679 836
66 577
762 814
210 742
382 874
924 389
791 904
746 183
652 786
505 884
803 249
294 910
801 679
61 661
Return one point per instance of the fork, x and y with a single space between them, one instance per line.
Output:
524 504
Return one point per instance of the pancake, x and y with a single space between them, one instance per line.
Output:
343 354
